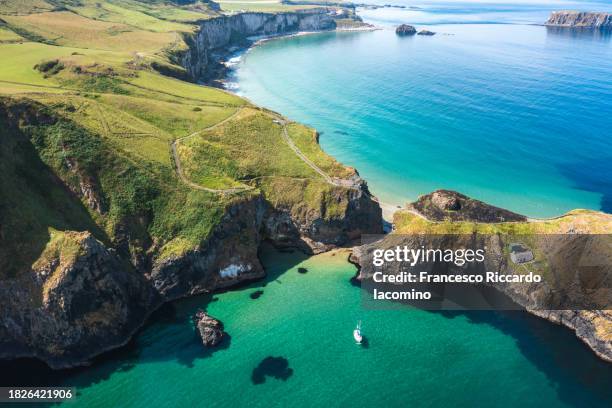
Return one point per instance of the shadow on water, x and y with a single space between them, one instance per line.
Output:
581 378
188 356
168 335
256 295
580 33
594 175
365 343
275 367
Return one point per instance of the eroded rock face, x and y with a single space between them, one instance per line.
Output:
210 329
87 187
223 32
449 205
82 299
313 231
79 301
446 201
591 326
580 19
405 30
232 247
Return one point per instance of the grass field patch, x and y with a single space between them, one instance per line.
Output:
70 29
306 139
110 12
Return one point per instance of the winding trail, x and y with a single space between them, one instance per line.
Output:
179 167
277 119
415 212
301 155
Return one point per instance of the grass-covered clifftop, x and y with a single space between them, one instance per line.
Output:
121 187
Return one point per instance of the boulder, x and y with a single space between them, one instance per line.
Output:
210 329
447 205
405 29
426 32
445 201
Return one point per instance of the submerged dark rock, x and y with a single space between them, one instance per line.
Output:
276 367
210 329
257 294
302 270
405 29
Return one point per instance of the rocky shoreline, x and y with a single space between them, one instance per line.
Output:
221 38
84 297
443 206
67 329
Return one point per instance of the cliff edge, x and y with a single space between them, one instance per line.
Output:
580 19
214 37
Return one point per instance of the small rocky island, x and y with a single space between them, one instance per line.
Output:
209 328
580 19
405 29
426 32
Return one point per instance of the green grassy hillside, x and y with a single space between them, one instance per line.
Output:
88 126
576 221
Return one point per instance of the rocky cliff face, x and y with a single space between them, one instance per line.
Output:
78 300
580 19
312 229
227 257
81 299
219 34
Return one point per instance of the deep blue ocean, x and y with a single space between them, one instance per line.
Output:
494 105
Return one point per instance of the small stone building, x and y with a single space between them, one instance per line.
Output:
520 254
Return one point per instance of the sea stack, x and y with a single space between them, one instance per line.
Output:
210 329
405 29
580 19
426 32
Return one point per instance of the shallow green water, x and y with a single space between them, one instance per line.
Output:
413 357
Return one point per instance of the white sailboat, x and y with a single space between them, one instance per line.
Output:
357 333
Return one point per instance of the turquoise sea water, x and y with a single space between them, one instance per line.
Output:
517 115
299 333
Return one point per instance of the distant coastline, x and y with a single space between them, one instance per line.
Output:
228 59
